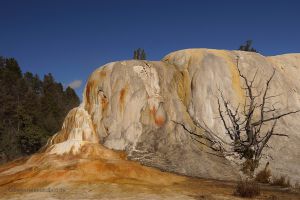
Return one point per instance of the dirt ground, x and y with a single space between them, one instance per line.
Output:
63 177
197 189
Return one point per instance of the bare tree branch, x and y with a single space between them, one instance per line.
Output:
257 123
246 132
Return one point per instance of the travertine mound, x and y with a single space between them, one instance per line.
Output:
134 106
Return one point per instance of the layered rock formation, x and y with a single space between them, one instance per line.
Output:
134 106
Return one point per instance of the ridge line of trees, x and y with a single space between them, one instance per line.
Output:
31 110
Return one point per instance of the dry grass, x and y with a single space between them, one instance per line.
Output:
264 176
247 189
281 181
297 185
249 166
273 197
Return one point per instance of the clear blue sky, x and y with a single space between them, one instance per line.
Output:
71 38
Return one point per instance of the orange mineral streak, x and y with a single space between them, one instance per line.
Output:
104 103
122 94
87 92
122 97
159 120
103 74
153 111
90 94
62 135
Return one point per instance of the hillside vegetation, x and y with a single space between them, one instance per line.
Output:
31 109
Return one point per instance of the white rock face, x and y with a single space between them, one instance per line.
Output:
77 130
132 106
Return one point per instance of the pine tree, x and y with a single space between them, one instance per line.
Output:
139 54
143 55
31 109
71 99
247 46
135 55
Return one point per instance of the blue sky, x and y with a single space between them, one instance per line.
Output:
71 38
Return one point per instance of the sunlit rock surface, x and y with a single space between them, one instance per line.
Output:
132 106
208 70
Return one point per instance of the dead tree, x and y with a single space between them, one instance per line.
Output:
249 127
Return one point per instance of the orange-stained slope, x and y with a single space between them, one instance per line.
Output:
96 163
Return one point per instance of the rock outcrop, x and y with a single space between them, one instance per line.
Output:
134 106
